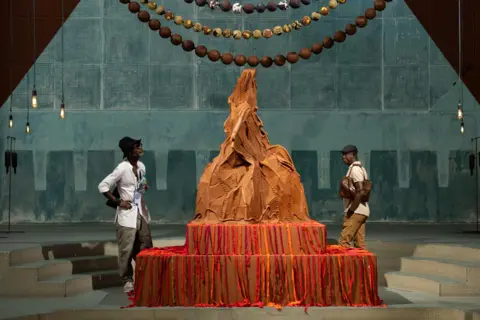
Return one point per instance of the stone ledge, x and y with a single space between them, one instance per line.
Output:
332 313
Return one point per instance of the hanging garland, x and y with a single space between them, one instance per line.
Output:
144 16
248 8
266 61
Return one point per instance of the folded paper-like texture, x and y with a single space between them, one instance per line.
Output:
250 181
251 242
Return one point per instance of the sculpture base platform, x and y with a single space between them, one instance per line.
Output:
171 277
309 237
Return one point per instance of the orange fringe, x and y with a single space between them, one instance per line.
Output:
311 280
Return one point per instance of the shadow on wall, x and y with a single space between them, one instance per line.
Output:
422 200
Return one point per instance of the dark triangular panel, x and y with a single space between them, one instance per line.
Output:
16 60
440 19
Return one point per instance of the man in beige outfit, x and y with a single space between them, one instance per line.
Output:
356 212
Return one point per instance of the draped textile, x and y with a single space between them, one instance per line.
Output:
250 181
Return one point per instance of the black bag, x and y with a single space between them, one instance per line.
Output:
114 204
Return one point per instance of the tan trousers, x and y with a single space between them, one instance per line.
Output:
353 230
130 242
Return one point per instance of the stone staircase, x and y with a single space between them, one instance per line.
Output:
476 315
25 273
62 270
439 269
97 260
58 270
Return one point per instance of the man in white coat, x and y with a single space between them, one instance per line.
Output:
132 216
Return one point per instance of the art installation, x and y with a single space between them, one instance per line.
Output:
250 181
248 8
227 33
240 60
251 241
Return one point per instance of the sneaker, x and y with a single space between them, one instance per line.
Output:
128 287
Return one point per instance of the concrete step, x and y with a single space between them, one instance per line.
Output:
30 273
105 279
71 250
65 286
461 271
20 256
448 252
476 315
89 249
93 263
440 286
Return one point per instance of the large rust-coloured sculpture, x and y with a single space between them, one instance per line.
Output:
250 181
251 241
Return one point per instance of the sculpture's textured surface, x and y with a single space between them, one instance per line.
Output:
250 180
251 242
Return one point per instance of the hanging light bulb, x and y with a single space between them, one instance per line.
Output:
10 122
27 129
34 99
62 111
459 111
462 128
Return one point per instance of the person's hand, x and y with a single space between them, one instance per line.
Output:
125 204
350 213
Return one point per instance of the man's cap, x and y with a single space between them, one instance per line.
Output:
126 143
349 148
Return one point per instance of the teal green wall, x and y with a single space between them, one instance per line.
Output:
388 90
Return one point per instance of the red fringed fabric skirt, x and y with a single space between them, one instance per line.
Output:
260 276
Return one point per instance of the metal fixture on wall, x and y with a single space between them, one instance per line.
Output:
62 105
27 127
34 91
10 82
474 162
11 164
34 101
460 67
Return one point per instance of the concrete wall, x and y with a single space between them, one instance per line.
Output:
388 90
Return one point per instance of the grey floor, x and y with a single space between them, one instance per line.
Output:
388 240
116 297
104 231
